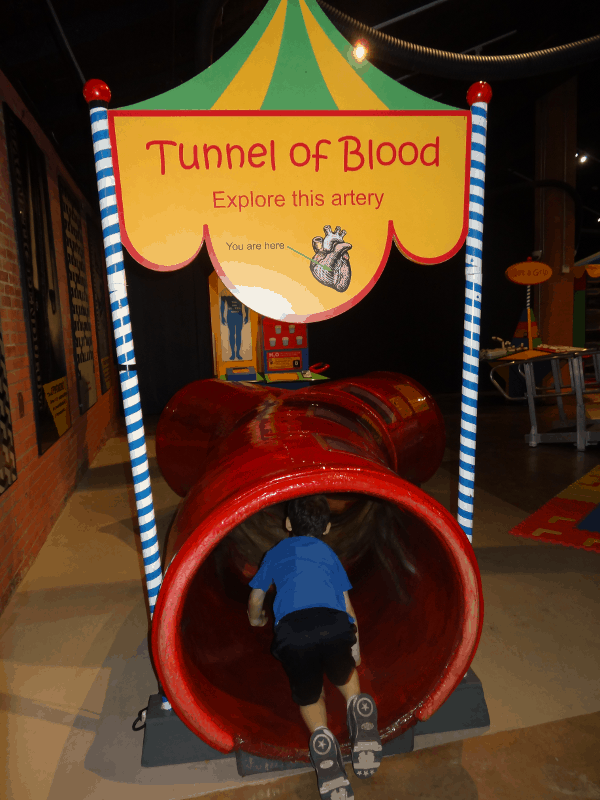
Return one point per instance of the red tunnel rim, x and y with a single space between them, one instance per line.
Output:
367 480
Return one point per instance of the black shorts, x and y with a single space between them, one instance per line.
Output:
313 642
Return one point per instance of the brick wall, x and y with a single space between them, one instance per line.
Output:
31 505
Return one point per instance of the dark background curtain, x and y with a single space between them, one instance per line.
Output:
170 319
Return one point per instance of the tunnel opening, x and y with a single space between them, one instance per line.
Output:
406 594
237 456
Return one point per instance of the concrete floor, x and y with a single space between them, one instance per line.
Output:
75 667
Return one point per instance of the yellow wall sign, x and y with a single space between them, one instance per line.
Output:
57 396
528 273
298 208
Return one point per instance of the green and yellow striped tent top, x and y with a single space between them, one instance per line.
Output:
291 58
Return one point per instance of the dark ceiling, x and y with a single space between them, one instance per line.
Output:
144 47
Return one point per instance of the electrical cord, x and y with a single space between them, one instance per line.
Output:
458 65
141 718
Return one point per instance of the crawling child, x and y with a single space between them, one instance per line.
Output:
315 634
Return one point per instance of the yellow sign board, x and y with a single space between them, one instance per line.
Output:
298 209
528 273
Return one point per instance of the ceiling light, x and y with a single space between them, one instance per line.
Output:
576 155
583 159
360 51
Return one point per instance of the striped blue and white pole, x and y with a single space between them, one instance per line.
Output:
97 95
478 98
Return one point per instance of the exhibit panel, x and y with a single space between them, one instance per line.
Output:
8 467
103 333
81 323
235 334
39 282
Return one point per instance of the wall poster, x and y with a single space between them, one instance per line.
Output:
33 224
83 348
235 329
103 333
8 467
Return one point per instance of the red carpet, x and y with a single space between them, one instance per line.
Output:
572 518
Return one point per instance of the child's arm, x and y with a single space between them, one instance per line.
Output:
256 614
356 647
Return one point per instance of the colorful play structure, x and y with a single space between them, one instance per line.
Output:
236 451
236 454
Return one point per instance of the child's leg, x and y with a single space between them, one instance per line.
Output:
315 715
362 727
351 687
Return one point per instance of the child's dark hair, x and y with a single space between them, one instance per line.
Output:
309 515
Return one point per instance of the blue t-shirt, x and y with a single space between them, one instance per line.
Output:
306 573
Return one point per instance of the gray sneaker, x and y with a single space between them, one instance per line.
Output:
326 758
364 736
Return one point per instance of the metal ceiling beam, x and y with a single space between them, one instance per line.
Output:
408 14
65 42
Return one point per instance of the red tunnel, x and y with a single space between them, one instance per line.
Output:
238 453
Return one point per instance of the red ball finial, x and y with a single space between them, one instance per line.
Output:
96 90
480 92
